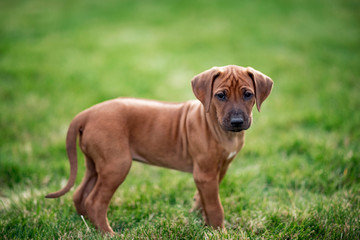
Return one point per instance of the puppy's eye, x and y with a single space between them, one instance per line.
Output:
248 95
221 96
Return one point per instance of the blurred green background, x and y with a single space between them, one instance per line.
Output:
298 175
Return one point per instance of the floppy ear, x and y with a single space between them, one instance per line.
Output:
263 85
202 85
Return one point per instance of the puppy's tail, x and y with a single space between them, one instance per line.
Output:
73 131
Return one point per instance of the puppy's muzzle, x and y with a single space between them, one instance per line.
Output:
236 122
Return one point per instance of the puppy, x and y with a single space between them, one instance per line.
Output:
200 137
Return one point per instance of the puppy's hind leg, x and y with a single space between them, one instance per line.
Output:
113 171
88 183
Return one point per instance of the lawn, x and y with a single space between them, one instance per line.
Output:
298 176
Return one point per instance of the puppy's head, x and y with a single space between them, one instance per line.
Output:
231 92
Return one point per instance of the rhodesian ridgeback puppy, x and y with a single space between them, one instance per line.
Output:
200 137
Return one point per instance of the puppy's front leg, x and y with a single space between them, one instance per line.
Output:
207 184
197 205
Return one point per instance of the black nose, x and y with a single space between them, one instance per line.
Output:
236 121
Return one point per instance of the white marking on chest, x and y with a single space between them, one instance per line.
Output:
231 155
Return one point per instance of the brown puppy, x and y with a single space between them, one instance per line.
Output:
197 137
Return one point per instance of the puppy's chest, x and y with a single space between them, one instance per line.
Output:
232 148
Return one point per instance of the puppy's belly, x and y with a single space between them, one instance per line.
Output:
138 158
170 162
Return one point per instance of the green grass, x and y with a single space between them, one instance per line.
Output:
298 176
